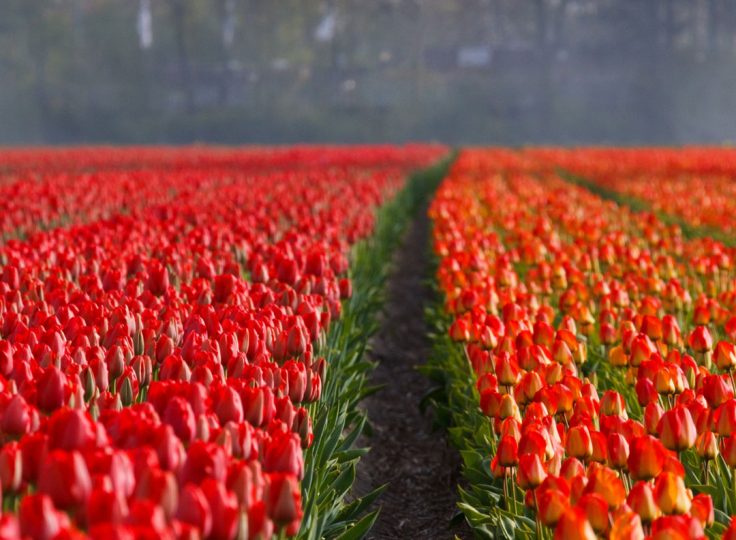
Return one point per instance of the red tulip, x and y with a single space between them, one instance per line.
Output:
284 454
51 389
702 509
38 517
531 471
646 458
17 419
507 452
551 504
677 429
618 451
283 499
65 478
194 509
700 340
11 467
204 460
224 507
725 418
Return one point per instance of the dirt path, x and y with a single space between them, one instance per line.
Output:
419 464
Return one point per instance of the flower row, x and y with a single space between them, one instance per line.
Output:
157 366
558 295
692 184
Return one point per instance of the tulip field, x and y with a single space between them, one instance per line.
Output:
178 329
589 355
185 338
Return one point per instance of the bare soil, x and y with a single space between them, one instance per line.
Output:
417 461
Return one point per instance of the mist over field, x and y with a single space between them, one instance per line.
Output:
459 71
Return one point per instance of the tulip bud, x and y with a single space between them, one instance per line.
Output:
641 500
606 483
617 357
51 385
574 525
706 445
671 495
283 499
728 450
38 518
224 507
652 415
670 330
531 471
646 458
716 390
508 408
229 407
126 393
725 356
180 416
700 340
579 444
11 467
627 525
194 509
702 509
106 507
613 404
65 478
17 417
160 487
618 451
507 452
284 454
596 510
725 418
551 504
677 429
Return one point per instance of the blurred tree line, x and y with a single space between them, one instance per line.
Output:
498 71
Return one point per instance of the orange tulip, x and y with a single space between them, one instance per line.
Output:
507 452
728 450
725 418
702 509
606 483
671 494
641 500
652 415
613 404
677 429
706 445
579 443
725 355
700 340
574 525
551 504
646 458
596 510
627 526
531 471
